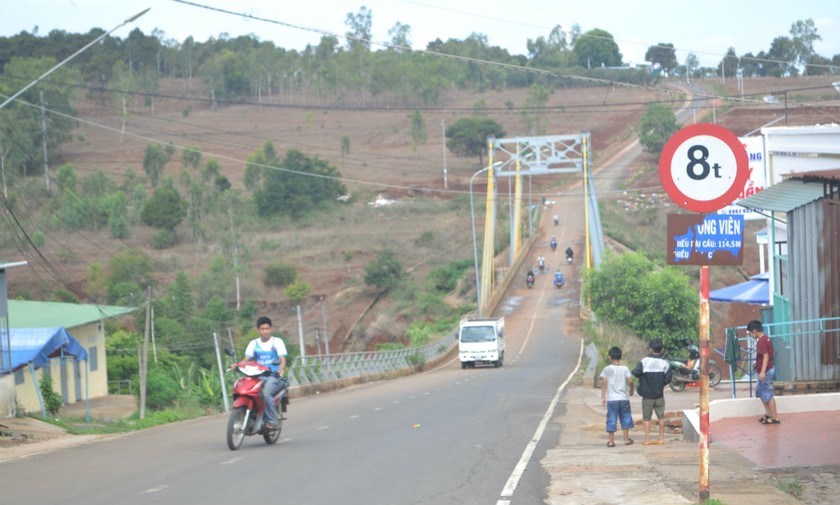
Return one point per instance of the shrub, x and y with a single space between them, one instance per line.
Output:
164 239
279 275
52 400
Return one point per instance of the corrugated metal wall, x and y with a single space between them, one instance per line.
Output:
814 268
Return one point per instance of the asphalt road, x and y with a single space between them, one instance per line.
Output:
446 436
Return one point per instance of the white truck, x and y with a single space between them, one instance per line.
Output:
481 341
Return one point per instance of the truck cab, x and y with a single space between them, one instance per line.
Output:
481 341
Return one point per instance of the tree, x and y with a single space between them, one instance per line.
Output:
191 157
297 291
385 271
468 136
691 65
296 185
629 290
596 48
803 34
657 126
419 135
729 64
153 162
165 209
664 55
179 299
782 54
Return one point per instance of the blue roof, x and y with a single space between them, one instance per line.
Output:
755 291
37 345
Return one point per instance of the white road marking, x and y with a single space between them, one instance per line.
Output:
231 460
156 489
519 469
355 416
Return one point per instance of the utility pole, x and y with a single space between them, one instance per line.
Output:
443 141
44 141
324 319
144 355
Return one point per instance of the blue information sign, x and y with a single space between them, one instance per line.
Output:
705 239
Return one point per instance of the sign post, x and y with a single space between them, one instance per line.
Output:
703 168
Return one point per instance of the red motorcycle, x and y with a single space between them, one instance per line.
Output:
247 417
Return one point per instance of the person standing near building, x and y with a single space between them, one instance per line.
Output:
766 369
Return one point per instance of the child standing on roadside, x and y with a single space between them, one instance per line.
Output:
615 379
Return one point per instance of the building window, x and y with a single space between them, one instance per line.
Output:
93 359
19 377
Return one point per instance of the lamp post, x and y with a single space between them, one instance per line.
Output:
80 51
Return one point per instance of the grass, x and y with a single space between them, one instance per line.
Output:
78 425
791 486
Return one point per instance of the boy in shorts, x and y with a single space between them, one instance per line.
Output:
616 380
654 373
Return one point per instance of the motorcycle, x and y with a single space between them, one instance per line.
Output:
687 371
559 281
570 255
541 265
529 280
247 416
553 244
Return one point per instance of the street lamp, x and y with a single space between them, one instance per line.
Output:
80 51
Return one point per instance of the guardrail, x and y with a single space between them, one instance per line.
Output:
318 369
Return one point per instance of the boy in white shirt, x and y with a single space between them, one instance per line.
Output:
615 379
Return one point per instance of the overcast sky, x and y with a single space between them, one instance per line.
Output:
706 28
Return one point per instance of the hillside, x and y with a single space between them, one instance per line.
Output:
428 226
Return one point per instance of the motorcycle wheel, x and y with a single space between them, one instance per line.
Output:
272 436
677 385
714 375
236 428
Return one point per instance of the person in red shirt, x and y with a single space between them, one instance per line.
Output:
766 371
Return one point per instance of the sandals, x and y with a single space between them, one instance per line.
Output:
629 441
769 420
610 444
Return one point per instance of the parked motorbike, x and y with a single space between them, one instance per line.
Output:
559 281
687 371
247 417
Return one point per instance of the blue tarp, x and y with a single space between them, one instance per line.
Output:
755 291
36 345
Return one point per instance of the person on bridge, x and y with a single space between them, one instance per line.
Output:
265 350
766 371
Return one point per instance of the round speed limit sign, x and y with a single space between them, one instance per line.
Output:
703 167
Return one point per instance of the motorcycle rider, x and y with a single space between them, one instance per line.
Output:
559 281
569 253
553 243
265 350
540 262
529 277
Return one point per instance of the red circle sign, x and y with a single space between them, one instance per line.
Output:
703 167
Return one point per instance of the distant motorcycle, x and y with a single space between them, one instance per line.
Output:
529 280
570 255
541 265
687 371
553 244
559 281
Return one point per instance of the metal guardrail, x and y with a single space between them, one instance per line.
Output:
324 368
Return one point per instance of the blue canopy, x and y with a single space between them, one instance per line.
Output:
755 291
37 345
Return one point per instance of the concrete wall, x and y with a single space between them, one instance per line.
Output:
7 395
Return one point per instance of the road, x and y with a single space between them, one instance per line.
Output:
445 436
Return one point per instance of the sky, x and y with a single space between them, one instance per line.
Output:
706 28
